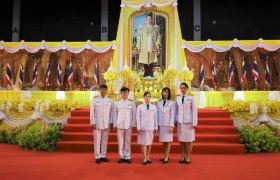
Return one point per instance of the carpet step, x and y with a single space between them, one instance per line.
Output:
80 112
210 114
199 129
78 128
216 129
201 113
215 121
78 120
200 148
70 136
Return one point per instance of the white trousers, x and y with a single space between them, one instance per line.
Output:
100 139
124 143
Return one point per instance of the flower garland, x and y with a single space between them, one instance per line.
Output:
253 107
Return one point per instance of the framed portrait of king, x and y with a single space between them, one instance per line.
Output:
148 32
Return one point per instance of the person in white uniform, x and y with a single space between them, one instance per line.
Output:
101 116
166 116
124 119
146 118
186 120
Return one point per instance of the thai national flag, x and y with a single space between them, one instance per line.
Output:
84 75
267 75
214 72
255 71
70 74
35 74
21 72
59 72
48 75
243 76
9 75
95 75
230 70
201 75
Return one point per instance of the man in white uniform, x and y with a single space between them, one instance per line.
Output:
124 120
101 111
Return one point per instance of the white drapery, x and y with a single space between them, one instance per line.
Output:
13 122
63 45
226 45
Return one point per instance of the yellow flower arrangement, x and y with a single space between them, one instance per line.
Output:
126 73
111 75
186 75
171 73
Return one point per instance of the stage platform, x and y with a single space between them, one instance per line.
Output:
203 98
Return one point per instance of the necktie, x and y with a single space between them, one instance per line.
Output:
183 99
148 106
164 103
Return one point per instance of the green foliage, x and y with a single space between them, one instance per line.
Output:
3 135
259 139
35 137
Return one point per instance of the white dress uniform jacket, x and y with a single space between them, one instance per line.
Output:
124 114
101 112
166 113
186 111
146 118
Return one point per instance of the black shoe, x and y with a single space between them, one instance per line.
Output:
188 162
98 161
120 160
165 161
128 161
149 161
182 161
144 162
161 159
105 159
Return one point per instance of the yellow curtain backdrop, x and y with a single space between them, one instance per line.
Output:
217 99
123 52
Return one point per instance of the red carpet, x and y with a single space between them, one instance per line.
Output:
215 133
16 163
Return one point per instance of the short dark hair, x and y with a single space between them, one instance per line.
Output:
147 92
149 14
103 86
184 84
123 89
169 92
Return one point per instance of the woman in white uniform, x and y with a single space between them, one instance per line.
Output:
186 120
166 116
146 118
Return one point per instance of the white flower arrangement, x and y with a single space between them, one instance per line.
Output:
37 105
20 107
264 108
47 104
254 108
42 107
8 107
2 106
